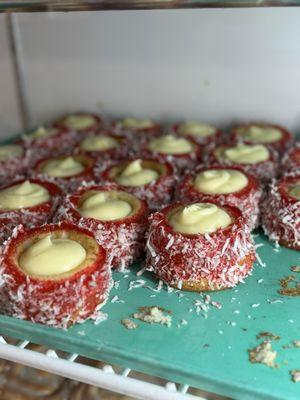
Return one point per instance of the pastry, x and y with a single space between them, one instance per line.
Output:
118 220
149 180
225 186
182 153
27 202
273 136
255 159
281 211
69 172
55 275
200 246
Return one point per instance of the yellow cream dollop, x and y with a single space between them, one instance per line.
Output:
78 122
62 168
295 191
23 195
99 143
170 144
10 151
52 256
199 218
196 129
42 132
101 206
133 123
135 175
244 154
220 181
259 133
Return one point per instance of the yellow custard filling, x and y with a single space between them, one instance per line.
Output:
243 154
99 143
295 191
23 195
42 132
78 122
62 167
220 181
134 174
259 133
170 144
199 218
104 207
10 151
50 256
132 123
196 129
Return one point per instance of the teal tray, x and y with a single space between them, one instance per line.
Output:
208 353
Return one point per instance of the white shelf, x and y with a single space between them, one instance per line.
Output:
106 377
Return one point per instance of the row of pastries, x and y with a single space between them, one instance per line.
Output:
84 195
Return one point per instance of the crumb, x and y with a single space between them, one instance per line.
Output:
268 335
206 345
255 305
296 343
287 289
153 315
295 268
263 354
295 374
129 324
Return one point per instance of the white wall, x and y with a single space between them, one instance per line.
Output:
10 121
216 65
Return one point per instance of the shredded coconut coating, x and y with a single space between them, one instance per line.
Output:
222 259
264 171
50 146
247 200
32 216
291 160
281 213
57 303
13 167
123 239
157 194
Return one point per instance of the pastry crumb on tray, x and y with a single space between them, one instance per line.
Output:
263 354
129 324
153 315
295 374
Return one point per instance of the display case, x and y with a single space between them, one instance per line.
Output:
167 60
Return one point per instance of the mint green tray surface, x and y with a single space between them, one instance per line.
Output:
208 353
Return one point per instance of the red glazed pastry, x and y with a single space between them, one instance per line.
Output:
117 218
27 202
257 160
149 180
55 275
273 136
14 160
183 154
281 211
202 134
69 172
133 127
103 146
291 159
49 141
225 186
200 246
80 122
